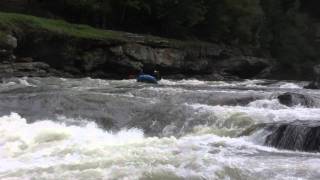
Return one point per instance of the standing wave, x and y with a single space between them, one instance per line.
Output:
51 150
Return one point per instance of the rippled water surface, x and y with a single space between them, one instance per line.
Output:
53 128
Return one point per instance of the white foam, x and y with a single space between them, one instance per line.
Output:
267 104
290 86
49 150
24 81
190 82
262 111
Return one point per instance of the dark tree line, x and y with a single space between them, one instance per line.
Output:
210 19
233 21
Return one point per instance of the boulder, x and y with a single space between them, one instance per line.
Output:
294 99
298 136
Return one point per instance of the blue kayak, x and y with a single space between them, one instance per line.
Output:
147 79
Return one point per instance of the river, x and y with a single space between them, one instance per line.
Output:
55 128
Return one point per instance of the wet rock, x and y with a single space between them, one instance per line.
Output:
298 135
294 99
32 69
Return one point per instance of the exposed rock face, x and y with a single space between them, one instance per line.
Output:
119 59
294 99
244 67
298 135
23 66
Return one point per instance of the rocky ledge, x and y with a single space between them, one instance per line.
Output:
298 135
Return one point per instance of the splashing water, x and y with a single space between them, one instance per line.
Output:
48 150
199 139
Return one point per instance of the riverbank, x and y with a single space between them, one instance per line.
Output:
33 46
71 50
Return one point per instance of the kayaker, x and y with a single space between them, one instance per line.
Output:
157 75
147 78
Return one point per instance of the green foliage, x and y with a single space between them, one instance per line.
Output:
180 15
290 34
16 22
233 20
170 17
13 22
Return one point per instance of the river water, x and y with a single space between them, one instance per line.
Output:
54 128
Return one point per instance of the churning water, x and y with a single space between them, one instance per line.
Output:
53 128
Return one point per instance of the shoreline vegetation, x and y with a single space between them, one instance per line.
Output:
255 40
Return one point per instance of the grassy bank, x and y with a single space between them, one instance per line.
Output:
13 22
18 22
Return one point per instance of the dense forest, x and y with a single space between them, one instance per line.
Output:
213 20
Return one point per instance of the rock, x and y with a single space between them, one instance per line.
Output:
244 67
158 56
118 50
315 84
294 99
119 59
298 135
8 42
5 54
33 69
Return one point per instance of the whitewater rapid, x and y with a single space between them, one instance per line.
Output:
175 130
